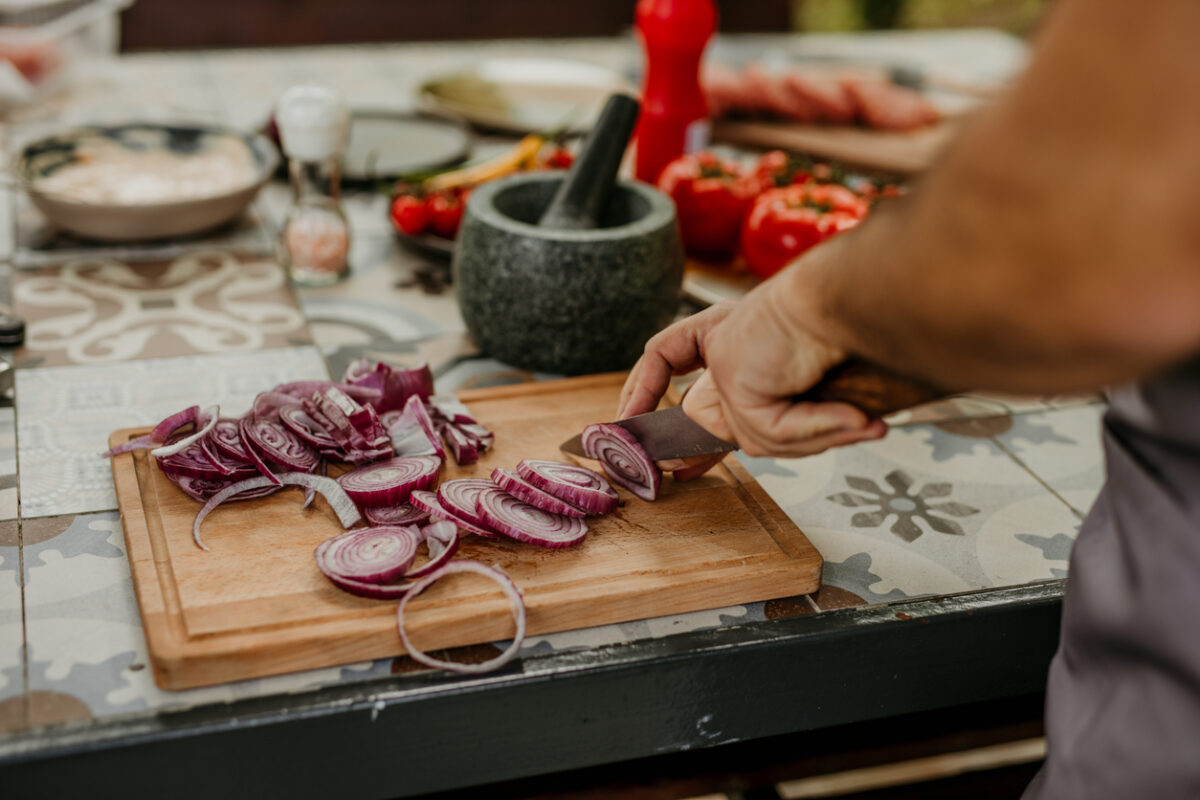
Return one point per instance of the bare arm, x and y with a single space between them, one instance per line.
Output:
1055 248
1058 245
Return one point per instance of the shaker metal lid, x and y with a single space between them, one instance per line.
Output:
12 330
313 121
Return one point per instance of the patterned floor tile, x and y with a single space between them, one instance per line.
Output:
1062 448
930 509
99 311
12 635
65 414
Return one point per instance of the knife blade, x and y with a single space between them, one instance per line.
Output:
667 433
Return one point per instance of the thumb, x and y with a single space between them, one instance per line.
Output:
702 404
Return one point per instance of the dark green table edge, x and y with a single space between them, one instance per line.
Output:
420 733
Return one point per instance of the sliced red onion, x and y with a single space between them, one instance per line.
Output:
461 496
514 597
389 483
305 389
525 523
267 404
221 463
375 591
464 448
415 410
201 489
441 539
398 514
304 426
428 502
276 444
209 415
159 434
395 385
191 462
226 436
526 492
574 484
339 501
623 459
371 555
451 409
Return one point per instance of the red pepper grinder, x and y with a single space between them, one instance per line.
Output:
674 118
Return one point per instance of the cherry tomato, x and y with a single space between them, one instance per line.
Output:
445 213
410 214
711 198
559 158
785 222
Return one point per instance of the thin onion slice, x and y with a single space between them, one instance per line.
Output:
226 436
387 483
210 414
526 492
461 497
278 445
506 585
441 539
525 523
623 459
428 502
159 434
375 591
339 501
577 485
398 514
371 555
304 426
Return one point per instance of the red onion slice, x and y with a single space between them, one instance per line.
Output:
339 501
370 555
525 523
394 385
388 483
461 497
398 514
375 591
577 485
441 540
201 489
428 502
210 415
275 443
414 410
226 436
526 492
191 462
304 426
464 448
623 459
506 585
159 434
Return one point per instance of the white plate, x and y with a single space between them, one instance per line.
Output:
525 95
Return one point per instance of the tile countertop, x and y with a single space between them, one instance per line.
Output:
962 497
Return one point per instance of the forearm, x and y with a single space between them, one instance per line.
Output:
1051 250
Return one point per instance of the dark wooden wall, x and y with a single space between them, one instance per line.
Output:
172 24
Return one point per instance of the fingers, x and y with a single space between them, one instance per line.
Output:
684 469
676 350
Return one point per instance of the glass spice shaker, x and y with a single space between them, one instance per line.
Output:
315 238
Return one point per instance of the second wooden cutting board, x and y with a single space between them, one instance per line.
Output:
257 605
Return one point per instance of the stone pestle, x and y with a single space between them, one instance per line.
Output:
582 197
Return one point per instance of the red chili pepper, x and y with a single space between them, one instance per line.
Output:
711 198
785 222
410 214
445 213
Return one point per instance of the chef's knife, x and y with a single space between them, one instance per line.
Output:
669 433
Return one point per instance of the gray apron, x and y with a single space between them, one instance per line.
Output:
1123 698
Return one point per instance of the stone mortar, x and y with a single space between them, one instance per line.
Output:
566 301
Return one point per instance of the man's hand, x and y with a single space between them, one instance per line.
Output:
758 359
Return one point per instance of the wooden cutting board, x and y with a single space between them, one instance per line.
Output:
904 152
256 605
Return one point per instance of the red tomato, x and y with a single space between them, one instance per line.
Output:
785 222
559 158
711 198
445 214
410 214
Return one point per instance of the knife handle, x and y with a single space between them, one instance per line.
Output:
876 391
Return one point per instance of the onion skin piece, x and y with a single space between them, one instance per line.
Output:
623 459
339 501
526 492
371 555
428 501
525 523
506 585
572 483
